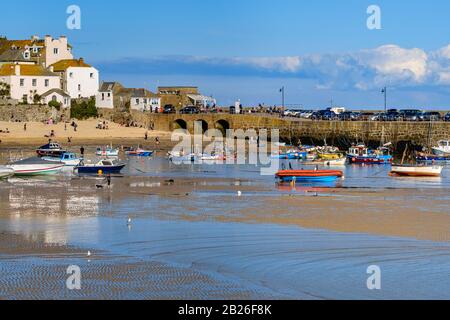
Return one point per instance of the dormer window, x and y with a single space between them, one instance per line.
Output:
92 76
71 74
55 51
26 55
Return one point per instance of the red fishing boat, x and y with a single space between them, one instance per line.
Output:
309 175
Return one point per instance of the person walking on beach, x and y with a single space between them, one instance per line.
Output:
82 151
108 180
157 141
146 135
24 127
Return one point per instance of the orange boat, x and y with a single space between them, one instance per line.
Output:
309 175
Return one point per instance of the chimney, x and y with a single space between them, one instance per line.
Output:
81 60
17 69
34 37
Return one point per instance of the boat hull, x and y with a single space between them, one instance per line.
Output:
5 173
140 154
35 170
419 171
370 160
309 175
96 169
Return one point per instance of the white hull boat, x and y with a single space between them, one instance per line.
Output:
107 152
35 166
69 159
6 172
416 171
443 148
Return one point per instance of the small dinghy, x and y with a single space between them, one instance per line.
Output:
138 152
5 172
416 171
35 166
107 152
309 175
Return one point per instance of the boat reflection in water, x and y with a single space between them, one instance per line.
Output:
305 187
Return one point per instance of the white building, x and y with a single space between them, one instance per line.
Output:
44 52
28 81
58 95
144 100
105 96
78 79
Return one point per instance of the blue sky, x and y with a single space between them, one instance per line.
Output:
319 50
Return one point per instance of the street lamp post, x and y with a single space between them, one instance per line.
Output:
384 91
282 96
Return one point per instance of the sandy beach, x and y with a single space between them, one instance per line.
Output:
37 133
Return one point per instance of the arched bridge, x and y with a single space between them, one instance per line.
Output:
341 133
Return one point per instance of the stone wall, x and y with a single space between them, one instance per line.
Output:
341 133
28 113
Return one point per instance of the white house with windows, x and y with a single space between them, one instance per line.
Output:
28 81
105 96
57 95
144 100
78 79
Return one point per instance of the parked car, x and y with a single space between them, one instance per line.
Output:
366 116
306 114
446 117
410 114
375 117
430 116
324 115
169 109
349 116
190 110
392 115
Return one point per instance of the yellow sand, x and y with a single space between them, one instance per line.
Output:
36 133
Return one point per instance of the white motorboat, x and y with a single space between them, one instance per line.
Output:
416 170
35 166
443 148
6 172
68 158
107 152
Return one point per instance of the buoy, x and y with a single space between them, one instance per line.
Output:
100 172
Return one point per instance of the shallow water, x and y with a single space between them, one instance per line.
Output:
198 239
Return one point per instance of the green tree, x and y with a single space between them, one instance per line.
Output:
83 110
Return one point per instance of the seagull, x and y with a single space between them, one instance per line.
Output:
88 253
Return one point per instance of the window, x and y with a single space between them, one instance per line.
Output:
25 98
103 96
55 51
145 101
46 82
92 76
54 98
137 101
34 82
109 95
22 82
71 75
79 87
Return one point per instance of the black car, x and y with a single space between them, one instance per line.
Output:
410 114
324 115
349 116
446 117
169 109
430 116
392 115
190 110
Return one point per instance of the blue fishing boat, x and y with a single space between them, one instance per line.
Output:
68 158
431 158
362 155
104 166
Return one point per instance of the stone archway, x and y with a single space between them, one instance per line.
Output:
179 124
223 126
